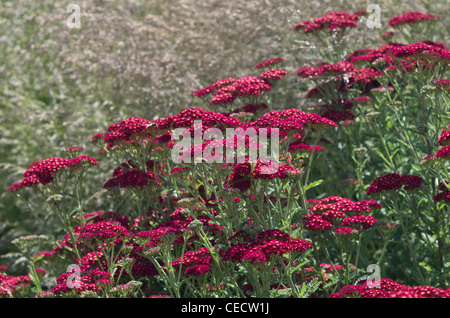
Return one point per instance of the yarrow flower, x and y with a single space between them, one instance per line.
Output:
387 288
271 63
388 35
444 195
247 89
366 221
43 172
315 222
264 246
331 21
443 153
82 161
347 231
74 150
443 84
127 132
412 17
444 138
326 70
198 270
134 179
341 213
395 181
363 99
273 75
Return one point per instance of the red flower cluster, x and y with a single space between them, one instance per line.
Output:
273 75
300 147
331 21
443 84
393 56
244 174
343 67
214 87
387 288
82 161
295 117
12 285
443 153
44 172
341 213
268 169
264 247
129 175
338 111
225 92
444 195
74 149
128 131
249 86
394 181
363 99
101 232
194 262
341 76
271 63
412 17
93 281
421 50
444 138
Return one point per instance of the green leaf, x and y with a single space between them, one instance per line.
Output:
313 184
384 158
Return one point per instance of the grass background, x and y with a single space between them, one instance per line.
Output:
60 86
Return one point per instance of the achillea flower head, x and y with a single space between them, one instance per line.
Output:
412 17
127 132
41 172
443 153
315 222
363 99
251 108
97 138
327 70
300 147
430 161
267 169
198 270
347 231
266 245
388 228
307 120
74 150
395 181
388 35
338 115
420 52
361 13
180 172
365 221
334 20
134 179
273 75
82 161
214 87
444 138
271 63
443 84
241 88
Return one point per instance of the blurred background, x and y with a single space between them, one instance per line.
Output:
60 86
